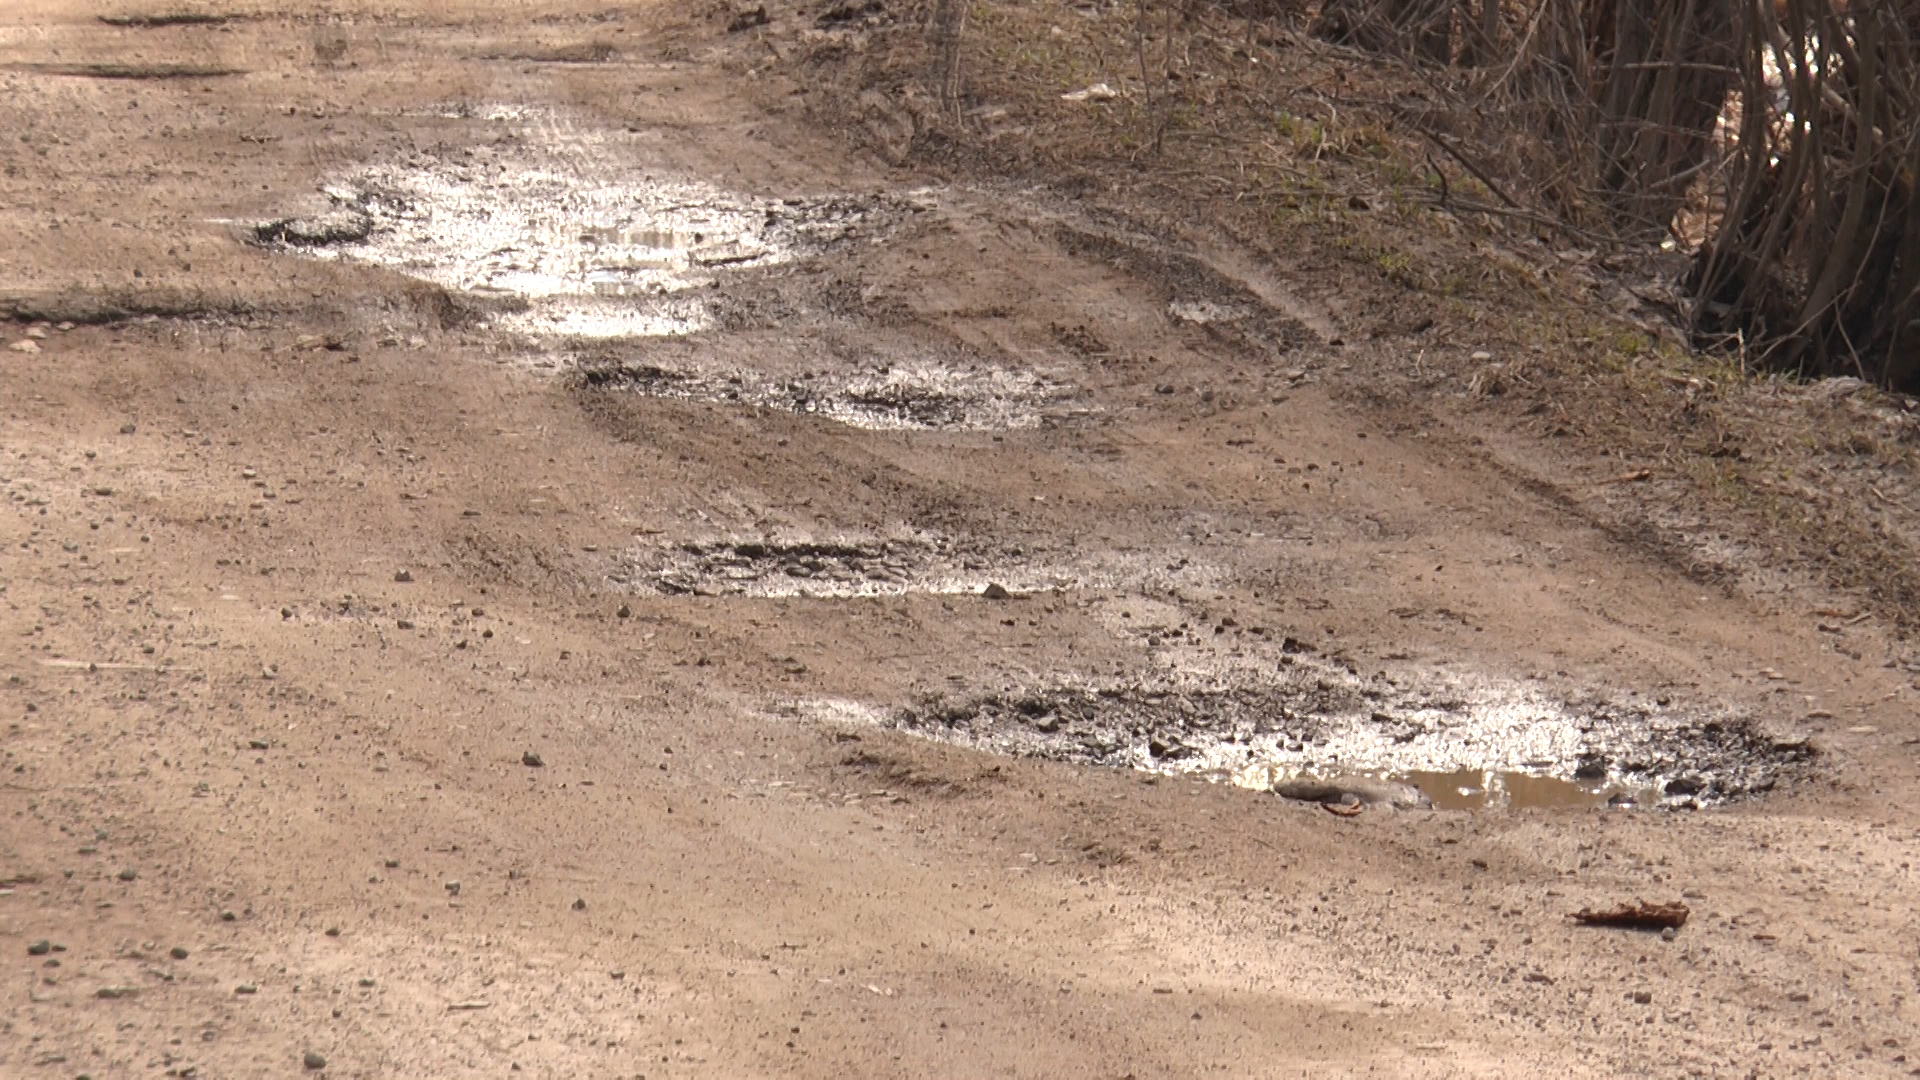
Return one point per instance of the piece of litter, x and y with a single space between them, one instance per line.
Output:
1096 92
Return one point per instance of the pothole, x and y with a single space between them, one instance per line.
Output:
1315 729
843 567
565 240
877 394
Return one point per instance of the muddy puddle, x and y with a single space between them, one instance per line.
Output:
910 562
562 233
875 393
1306 724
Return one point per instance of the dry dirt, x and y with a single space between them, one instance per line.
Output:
528 609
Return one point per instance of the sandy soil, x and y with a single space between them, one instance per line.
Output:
394 681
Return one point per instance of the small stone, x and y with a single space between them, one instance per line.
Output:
366 984
532 760
579 905
619 974
995 591
1482 355
178 952
403 576
313 1059
333 931
623 612
25 345
1643 997
64 327
128 428
40 948
257 744
403 624
128 874
1669 934
453 888
228 916
393 864
246 988
110 993
39 332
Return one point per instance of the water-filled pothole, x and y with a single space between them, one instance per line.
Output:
567 243
878 394
915 562
1312 728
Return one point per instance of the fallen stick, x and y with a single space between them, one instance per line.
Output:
1636 916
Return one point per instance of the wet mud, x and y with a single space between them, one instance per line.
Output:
1465 743
879 566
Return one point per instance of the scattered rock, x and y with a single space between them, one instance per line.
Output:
129 428
40 948
246 988
336 227
579 905
366 984
1360 789
178 952
995 591
623 612
38 332
257 744
228 916
111 993
313 1059
128 874
333 931
403 576
532 760
25 345
1643 997
453 888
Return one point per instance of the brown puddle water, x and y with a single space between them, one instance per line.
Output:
1473 789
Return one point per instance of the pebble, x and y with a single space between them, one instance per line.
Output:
129 428
178 952
623 612
129 874
453 887
314 1060
228 916
532 760
366 984
1643 997
25 345
246 988
403 576
579 905
40 948
110 993
995 591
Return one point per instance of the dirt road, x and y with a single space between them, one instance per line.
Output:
521 555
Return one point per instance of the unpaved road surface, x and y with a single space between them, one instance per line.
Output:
610 583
